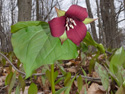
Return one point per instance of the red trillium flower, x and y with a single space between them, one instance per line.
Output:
71 25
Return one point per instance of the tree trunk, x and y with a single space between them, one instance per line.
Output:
37 10
100 29
3 42
93 29
24 10
2 35
124 9
109 23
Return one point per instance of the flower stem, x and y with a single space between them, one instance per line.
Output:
52 79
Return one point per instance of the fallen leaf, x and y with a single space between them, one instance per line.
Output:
84 89
95 75
96 89
2 79
72 69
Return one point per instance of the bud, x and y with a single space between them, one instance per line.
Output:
89 20
60 12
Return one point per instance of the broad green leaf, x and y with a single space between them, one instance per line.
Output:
120 75
17 90
117 60
67 78
34 47
88 20
89 41
60 90
21 25
8 78
33 89
103 75
21 83
68 85
80 83
121 90
60 12
12 82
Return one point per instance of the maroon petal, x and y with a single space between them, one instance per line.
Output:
77 12
78 33
57 26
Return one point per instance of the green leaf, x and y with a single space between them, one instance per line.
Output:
121 90
80 83
84 74
34 47
92 62
117 60
67 78
55 75
3 61
89 41
103 75
68 85
21 83
88 20
60 79
17 90
84 47
62 70
8 78
43 77
48 75
101 48
60 12
12 82
21 25
32 89
60 90
120 75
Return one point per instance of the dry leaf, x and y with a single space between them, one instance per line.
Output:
96 89
2 79
84 89
72 69
95 75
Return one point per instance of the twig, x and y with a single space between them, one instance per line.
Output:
36 74
85 77
108 52
3 88
40 74
12 64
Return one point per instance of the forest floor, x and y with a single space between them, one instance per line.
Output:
91 80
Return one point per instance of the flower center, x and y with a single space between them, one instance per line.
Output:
70 23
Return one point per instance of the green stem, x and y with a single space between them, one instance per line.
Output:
52 79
